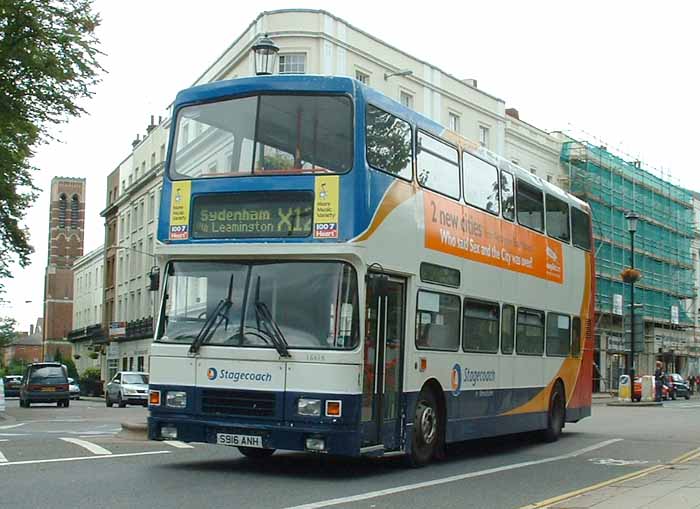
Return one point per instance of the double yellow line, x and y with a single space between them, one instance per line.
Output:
683 458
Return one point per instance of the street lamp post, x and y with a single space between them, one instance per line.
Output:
631 276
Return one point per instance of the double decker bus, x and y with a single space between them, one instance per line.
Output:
343 275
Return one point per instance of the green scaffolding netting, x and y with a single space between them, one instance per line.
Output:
613 186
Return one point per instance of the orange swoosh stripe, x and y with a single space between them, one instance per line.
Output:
397 193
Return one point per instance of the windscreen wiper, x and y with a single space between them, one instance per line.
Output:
272 329
214 320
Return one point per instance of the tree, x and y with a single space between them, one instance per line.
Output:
48 62
7 331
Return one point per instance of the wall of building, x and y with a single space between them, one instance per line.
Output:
88 282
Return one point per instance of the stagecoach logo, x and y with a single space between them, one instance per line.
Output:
456 380
468 376
211 373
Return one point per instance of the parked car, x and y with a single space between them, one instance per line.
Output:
12 385
127 387
44 382
73 389
678 387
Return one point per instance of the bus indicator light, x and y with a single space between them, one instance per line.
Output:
423 364
154 398
334 408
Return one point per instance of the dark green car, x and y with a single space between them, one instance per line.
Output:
45 382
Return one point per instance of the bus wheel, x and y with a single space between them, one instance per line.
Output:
555 416
426 430
255 453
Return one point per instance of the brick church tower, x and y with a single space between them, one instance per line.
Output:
66 235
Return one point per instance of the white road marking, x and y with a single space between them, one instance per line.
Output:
3 459
93 448
81 458
453 478
178 444
4 439
616 462
11 426
14 434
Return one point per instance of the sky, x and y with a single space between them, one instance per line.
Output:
621 73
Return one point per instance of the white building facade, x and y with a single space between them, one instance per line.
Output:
88 299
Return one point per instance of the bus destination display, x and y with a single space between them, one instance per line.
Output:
253 214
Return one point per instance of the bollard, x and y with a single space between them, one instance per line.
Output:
624 392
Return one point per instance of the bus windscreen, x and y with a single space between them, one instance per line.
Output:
266 134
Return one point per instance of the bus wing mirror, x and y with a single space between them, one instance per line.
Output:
154 279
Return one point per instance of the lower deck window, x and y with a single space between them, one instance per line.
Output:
480 329
530 332
558 334
437 321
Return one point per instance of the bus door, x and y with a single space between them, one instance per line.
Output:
385 316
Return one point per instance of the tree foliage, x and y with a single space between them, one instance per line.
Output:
48 62
7 331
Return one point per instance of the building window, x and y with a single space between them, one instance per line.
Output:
362 77
62 205
533 170
140 363
484 136
162 152
549 178
124 363
131 180
453 122
153 160
406 99
292 63
151 206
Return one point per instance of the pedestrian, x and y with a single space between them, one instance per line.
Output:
659 379
691 383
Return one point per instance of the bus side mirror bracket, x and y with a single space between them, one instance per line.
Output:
154 279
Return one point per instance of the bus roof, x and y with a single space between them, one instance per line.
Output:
344 84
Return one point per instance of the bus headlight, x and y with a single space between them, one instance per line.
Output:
311 407
176 399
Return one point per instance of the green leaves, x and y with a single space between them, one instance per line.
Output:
48 62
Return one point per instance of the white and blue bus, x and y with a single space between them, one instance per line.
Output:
342 275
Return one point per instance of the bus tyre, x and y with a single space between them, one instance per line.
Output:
555 416
255 453
426 430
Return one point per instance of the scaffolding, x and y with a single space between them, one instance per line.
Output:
613 186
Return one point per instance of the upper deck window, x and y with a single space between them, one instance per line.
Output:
269 134
438 166
389 143
480 180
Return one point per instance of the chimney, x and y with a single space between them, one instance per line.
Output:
160 120
151 126
512 112
470 81
136 141
31 329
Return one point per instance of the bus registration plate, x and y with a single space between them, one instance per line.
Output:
239 440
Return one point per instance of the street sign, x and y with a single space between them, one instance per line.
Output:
617 304
117 329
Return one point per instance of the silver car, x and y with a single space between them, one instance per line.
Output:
127 388
73 388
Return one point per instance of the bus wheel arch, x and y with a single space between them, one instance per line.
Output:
429 424
556 412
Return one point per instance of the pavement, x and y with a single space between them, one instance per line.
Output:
675 485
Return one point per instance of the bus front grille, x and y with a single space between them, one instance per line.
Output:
233 402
